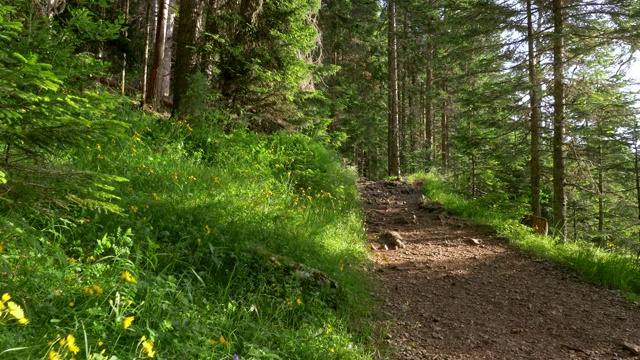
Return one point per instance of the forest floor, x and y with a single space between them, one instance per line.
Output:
457 291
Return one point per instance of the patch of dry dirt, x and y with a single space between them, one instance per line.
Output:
455 291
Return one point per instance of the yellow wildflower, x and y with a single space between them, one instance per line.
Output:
298 301
208 229
192 178
53 355
147 347
98 289
126 275
72 346
100 157
223 341
72 260
87 290
6 297
1 247
127 321
212 342
16 311
216 180
134 150
134 208
92 258
155 196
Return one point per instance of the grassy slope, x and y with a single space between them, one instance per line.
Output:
618 270
213 227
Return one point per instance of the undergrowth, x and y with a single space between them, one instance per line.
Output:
228 245
613 268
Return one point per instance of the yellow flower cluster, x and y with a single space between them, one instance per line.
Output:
11 308
223 341
126 276
67 346
146 347
95 289
127 321
186 124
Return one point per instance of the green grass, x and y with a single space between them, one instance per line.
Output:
613 269
231 237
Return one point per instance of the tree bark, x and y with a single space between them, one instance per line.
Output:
535 117
444 140
165 82
155 84
123 74
393 135
559 198
147 35
189 23
428 126
601 234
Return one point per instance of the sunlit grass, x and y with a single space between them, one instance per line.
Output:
187 270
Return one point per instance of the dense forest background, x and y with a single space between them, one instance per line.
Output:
524 107
524 103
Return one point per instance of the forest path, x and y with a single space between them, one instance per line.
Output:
458 292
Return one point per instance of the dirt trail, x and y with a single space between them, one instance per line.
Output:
457 292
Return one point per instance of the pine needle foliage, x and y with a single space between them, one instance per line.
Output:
41 118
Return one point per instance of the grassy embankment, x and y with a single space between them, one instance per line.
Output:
229 246
615 269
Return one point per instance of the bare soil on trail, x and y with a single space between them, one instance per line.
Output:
456 291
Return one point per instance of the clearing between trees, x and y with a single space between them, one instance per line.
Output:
457 291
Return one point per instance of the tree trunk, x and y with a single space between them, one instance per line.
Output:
535 118
444 132
559 198
394 135
601 234
636 166
428 118
165 82
123 75
147 35
189 23
153 91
